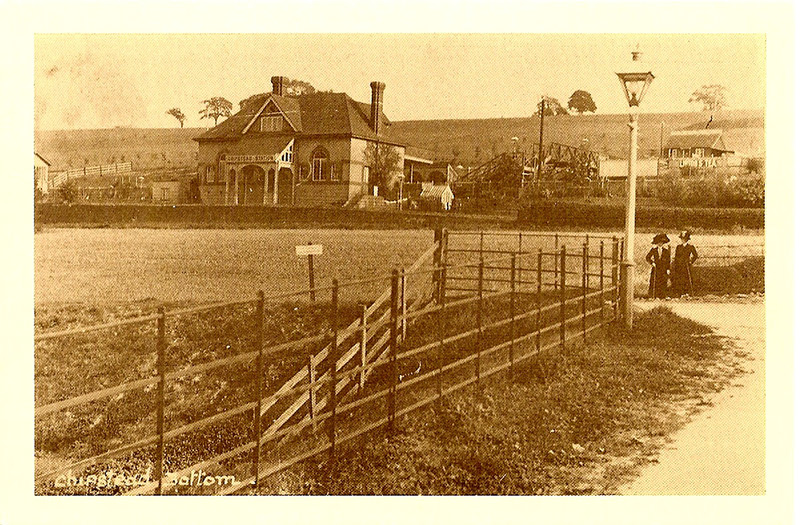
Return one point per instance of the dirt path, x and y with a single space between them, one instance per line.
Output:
722 450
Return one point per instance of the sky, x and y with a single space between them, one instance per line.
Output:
84 81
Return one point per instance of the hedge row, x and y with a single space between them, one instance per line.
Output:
555 214
244 216
546 215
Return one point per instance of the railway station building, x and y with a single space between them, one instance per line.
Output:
305 150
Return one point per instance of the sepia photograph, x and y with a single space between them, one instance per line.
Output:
448 262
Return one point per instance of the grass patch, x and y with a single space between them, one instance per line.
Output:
573 423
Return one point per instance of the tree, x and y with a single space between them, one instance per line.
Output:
551 107
178 114
216 107
293 88
581 101
711 96
384 167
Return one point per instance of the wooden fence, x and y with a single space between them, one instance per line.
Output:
473 305
119 168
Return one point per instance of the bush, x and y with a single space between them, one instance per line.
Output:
68 191
711 191
573 214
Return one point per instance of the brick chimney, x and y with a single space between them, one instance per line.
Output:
278 85
376 108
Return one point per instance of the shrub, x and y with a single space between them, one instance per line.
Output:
555 214
712 190
68 191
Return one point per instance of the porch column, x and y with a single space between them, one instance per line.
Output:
264 193
227 185
236 188
275 184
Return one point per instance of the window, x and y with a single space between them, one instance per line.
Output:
334 172
209 174
271 123
288 154
164 194
221 166
319 161
365 175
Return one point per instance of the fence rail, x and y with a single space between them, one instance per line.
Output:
419 340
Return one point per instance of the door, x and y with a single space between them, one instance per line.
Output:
285 182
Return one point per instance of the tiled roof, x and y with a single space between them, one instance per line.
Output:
317 113
696 139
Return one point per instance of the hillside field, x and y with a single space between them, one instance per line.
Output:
468 142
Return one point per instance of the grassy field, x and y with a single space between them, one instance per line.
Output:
471 142
468 142
582 422
100 266
578 422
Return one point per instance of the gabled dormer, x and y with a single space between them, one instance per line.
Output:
270 118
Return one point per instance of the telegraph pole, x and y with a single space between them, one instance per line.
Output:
541 135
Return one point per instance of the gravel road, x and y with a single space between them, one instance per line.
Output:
722 450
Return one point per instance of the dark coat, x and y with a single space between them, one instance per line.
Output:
659 274
685 256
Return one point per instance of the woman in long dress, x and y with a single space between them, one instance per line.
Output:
685 256
659 259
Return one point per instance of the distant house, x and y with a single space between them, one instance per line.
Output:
304 150
41 173
703 148
436 196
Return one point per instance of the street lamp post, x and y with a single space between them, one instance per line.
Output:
635 86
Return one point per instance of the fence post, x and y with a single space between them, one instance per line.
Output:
584 285
563 298
312 392
602 284
438 234
404 306
259 380
481 246
443 261
393 349
539 302
440 328
615 275
363 346
161 350
555 265
334 356
512 306
480 325
519 249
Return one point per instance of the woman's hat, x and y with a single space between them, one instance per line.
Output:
661 238
685 235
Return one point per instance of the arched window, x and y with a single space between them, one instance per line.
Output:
319 164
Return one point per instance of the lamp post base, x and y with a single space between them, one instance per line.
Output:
626 297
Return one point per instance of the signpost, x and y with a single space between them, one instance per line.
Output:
309 250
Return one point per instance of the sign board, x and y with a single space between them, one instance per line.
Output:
308 249
249 158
